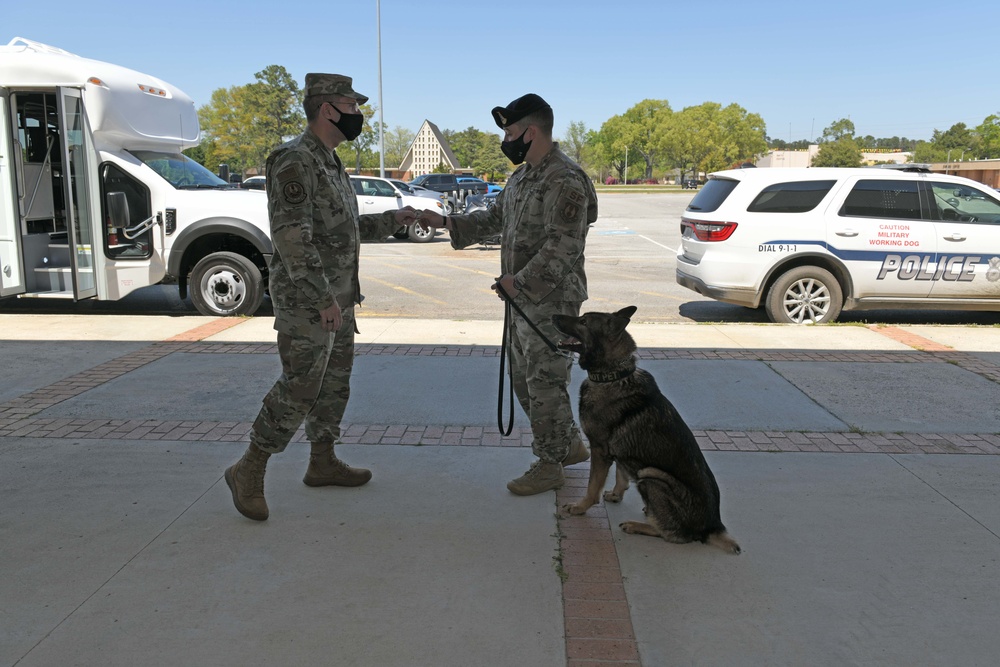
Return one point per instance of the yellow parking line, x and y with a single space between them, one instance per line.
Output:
416 273
462 268
400 288
663 296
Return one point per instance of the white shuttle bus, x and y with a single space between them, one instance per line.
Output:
96 199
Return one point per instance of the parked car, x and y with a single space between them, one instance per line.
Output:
253 183
478 183
689 184
377 195
448 184
807 243
414 190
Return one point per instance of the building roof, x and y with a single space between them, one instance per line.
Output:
449 155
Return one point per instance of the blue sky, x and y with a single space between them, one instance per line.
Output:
895 68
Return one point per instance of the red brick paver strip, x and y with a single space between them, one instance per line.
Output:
596 614
209 329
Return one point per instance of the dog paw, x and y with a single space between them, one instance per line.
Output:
575 510
627 527
612 497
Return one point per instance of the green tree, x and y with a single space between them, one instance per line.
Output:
989 137
479 151
927 151
397 142
782 145
575 141
956 138
955 143
277 111
688 138
843 152
739 138
709 137
464 145
226 123
243 124
839 129
640 128
609 145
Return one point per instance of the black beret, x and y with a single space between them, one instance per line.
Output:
518 109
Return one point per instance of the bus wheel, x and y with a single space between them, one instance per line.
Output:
225 283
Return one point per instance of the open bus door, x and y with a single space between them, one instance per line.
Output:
82 194
11 267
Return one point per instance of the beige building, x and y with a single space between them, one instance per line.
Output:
800 158
804 158
428 150
986 172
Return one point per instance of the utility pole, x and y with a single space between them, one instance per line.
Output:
381 107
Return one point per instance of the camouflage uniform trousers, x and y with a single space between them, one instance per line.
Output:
314 386
541 378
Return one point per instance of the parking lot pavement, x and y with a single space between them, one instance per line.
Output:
857 467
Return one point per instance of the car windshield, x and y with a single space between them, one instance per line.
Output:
181 171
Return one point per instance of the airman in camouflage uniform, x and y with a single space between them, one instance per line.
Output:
543 215
316 232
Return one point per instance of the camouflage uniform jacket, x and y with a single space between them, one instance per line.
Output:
316 232
542 215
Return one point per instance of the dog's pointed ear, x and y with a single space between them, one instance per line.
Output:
627 313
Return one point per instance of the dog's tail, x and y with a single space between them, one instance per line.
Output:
724 541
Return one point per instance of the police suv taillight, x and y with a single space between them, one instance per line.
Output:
707 231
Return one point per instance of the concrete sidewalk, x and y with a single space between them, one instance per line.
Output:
857 465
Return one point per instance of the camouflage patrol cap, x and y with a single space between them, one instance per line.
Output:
331 84
518 109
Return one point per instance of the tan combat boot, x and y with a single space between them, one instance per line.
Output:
246 480
541 476
325 469
578 452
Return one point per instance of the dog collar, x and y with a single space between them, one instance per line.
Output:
611 376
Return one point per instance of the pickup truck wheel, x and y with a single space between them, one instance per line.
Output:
224 284
419 234
804 295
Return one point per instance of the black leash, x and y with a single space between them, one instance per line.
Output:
505 358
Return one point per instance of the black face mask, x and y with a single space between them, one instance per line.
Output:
516 149
350 125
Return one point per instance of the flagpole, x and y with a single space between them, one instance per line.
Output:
381 108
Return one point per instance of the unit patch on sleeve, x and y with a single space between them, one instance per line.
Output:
569 205
289 179
293 192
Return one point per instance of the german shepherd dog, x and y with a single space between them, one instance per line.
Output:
631 423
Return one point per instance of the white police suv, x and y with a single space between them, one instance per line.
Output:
807 243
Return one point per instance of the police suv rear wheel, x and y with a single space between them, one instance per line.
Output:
224 284
804 295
